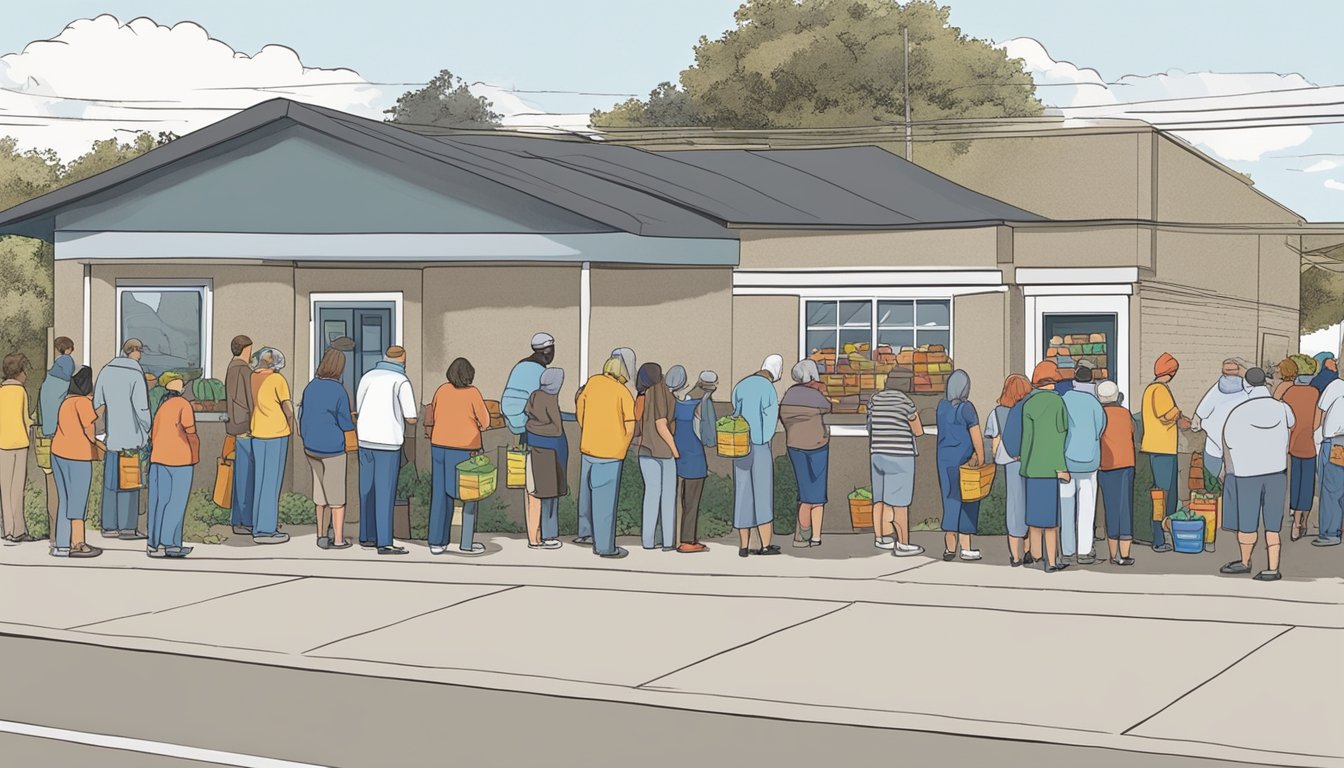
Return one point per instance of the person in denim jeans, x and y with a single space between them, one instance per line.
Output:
454 424
385 405
658 455
605 411
1161 421
272 426
1330 418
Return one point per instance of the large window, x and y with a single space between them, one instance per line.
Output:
871 323
172 321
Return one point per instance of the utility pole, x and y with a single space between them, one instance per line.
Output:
909 141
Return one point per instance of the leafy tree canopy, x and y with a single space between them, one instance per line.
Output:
444 101
832 63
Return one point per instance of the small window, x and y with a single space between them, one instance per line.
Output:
831 325
873 328
172 324
914 323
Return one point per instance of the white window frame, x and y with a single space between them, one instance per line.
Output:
803 327
204 287
396 298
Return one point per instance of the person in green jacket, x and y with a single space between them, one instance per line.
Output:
1045 425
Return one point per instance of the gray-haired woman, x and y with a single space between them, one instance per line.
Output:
272 425
547 460
959 442
801 411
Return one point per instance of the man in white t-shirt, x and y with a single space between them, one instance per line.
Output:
1330 428
1255 454
384 406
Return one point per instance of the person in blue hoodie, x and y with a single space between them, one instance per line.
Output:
122 393
755 399
1082 458
49 397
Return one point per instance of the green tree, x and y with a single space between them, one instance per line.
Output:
444 101
1322 298
831 63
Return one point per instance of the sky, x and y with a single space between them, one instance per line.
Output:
1090 57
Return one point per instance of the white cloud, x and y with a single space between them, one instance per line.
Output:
1333 184
1195 101
1321 165
100 78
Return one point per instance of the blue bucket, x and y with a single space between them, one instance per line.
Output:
1187 536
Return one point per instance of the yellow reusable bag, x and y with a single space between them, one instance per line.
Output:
734 437
516 464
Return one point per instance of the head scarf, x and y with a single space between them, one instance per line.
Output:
627 356
167 377
81 382
805 372
958 387
1046 372
277 359
542 341
650 375
1166 365
63 368
773 365
552 379
1321 357
615 368
1108 392
675 378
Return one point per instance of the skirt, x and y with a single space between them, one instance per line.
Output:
1042 502
810 467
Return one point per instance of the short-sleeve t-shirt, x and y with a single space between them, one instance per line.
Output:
74 424
889 429
1302 398
174 423
1158 438
1332 403
268 417
658 403
998 418
1117 440
954 431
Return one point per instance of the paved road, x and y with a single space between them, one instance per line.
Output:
329 719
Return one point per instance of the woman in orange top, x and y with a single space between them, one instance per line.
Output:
454 422
175 449
74 448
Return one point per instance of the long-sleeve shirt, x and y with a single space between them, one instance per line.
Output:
606 415
1045 426
53 391
801 411
1082 446
1222 397
524 379
543 415
122 391
14 418
755 399
324 418
238 397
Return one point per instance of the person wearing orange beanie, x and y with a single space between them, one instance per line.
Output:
1161 421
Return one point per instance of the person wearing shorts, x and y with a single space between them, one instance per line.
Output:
893 425
1045 427
1255 453
324 418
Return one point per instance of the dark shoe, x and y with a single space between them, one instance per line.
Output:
178 552
1056 568
743 552
1087 559
814 543
949 556
368 545
323 542
1027 559
1235 568
242 530
275 538
1267 576
773 549
85 551
584 540
1162 548
392 550
1014 563
132 536
343 545
1123 562
618 554
23 539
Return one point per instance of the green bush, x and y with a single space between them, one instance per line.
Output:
716 507
1143 500
786 496
297 509
35 508
569 513
994 508
202 513
492 516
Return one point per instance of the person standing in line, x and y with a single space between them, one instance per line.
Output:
585 533
657 458
385 404
755 400
54 389
1255 449
272 425
238 400
1329 423
1227 393
524 379
1161 421
1327 371
1302 399
453 424
1082 457
547 460
74 448
1015 387
893 425
122 395
324 419
959 443
695 419
1116 476
605 410
1044 432
174 450
802 411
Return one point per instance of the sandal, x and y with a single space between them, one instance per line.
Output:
85 550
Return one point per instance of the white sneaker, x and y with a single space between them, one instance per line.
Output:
438 550
885 542
907 550
551 543
970 554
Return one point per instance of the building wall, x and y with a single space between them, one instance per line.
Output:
980 343
976 247
1192 188
763 326
1121 246
668 316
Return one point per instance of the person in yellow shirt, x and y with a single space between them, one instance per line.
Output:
1161 420
272 424
15 424
606 415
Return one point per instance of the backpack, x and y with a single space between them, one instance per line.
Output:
1012 431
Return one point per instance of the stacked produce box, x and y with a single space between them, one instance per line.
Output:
1069 351
932 367
853 378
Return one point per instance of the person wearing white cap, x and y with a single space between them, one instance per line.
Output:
755 400
524 379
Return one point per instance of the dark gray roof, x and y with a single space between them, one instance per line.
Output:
692 194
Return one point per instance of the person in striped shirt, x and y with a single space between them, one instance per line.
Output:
893 425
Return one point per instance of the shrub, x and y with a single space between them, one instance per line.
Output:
786 496
716 507
202 514
1143 501
994 508
35 509
93 511
297 509
492 516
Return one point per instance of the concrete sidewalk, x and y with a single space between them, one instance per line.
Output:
1164 664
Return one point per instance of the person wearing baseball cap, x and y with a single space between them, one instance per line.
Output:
524 379
1161 420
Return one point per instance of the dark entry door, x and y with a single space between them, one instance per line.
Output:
369 325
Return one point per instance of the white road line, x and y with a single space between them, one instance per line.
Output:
149 747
